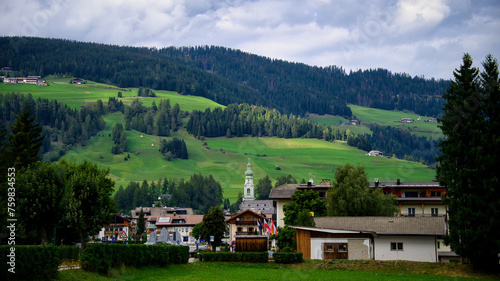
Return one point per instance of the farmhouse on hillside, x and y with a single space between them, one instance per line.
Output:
372 238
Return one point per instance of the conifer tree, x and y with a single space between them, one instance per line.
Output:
466 167
25 140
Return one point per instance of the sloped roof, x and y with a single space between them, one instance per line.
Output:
385 225
234 216
189 220
284 191
430 184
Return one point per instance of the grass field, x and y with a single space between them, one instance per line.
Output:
392 118
310 270
383 118
78 95
226 159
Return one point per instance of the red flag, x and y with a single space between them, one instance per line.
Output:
273 228
266 227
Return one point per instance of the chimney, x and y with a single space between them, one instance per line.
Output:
398 182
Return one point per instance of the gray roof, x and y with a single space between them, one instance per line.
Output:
385 225
430 184
284 191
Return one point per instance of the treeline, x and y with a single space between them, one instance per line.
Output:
226 76
62 125
155 120
243 119
199 192
298 88
398 142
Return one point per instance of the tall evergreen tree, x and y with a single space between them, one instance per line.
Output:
25 140
470 151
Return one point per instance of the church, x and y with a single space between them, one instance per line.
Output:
249 202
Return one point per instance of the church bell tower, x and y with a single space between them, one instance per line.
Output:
249 186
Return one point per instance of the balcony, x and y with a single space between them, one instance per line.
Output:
246 222
245 232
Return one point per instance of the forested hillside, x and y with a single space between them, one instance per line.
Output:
226 76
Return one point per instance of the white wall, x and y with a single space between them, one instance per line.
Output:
280 215
317 245
415 248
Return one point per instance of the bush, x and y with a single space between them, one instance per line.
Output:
101 257
260 257
287 257
68 253
31 263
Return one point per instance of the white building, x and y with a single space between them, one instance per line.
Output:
249 185
375 238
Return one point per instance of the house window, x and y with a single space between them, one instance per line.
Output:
342 248
239 229
411 212
434 212
435 193
250 229
411 194
248 191
396 246
439 245
185 238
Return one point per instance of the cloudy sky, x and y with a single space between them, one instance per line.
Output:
427 37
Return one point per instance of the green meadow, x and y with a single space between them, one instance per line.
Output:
384 118
393 118
78 95
224 158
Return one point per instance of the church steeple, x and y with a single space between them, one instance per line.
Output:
248 189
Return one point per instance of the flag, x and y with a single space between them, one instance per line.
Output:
260 226
266 227
273 228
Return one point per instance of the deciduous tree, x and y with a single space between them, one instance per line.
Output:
351 195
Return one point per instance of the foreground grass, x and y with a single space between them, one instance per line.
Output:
310 270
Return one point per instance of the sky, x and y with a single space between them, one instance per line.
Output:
422 38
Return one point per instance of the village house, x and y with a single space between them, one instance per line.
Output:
283 194
120 230
244 223
182 224
415 198
372 238
374 153
406 120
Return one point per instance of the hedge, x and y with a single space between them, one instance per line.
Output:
288 257
261 257
31 262
68 253
101 257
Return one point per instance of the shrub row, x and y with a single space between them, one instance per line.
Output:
68 253
101 257
235 257
285 257
29 262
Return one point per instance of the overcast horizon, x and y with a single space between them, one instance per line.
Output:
422 38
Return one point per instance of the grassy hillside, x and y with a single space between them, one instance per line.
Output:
78 95
383 118
226 159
